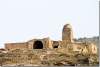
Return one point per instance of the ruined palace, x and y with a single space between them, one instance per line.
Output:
46 43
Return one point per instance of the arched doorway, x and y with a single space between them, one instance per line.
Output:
38 45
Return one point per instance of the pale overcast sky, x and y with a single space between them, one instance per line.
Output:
21 20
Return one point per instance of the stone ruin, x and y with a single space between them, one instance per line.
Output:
48 52
47 43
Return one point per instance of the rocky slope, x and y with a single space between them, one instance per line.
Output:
46 58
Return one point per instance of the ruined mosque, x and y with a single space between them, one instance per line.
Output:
46 43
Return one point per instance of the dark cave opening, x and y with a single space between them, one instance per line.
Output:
38 45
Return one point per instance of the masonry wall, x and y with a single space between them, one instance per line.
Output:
11 46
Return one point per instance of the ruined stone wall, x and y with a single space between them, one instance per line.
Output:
92 48
55 44
78 46
11 46
32 43
45 42
48 43
85 48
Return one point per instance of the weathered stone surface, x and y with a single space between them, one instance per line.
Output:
46 52
45 58
67 33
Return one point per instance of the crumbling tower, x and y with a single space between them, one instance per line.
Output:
67 33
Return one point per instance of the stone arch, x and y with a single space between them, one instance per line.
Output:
38 45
